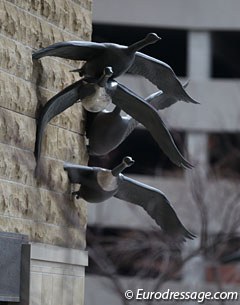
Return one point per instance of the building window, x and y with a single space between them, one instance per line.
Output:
225 54
224 154
171 49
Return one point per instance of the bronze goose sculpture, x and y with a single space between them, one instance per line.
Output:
122 59
99 184
122 97
108 129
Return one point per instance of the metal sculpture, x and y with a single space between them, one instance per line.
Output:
122 59
108 129
124 99
99 184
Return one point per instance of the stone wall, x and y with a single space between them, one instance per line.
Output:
41 208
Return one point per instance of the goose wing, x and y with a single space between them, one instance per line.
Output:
161 75
79 173
58 104
144 113
156 204
76 50
160 100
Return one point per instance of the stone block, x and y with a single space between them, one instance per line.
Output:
19 130
43 205
31 30
44 232
21 96
66 14
43 209
16 129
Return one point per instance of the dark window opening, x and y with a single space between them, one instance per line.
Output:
130 252
149 158
224 154
171 49
225 54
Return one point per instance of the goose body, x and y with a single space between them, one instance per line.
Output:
98 184
97 55
148 116
124 99
122 59
109 129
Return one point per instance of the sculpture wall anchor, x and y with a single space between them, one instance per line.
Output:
78 91
99 184
108 129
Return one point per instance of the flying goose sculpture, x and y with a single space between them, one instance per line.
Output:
122 97
108 129
97 55
122 59
99 184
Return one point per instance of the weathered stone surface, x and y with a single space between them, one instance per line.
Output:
21 96
18 165
44 208
65 14
19 130
44 233
22 201
29 29
16 129
50 73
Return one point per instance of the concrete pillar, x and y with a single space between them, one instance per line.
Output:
199 68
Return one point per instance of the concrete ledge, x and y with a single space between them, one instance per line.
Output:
57 254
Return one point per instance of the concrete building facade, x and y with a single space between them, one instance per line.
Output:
218 114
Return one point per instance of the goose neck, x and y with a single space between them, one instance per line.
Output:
118 169
138 45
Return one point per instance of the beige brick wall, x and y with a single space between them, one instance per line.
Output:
43 209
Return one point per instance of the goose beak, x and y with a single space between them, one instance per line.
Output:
128 161
153 37
108 71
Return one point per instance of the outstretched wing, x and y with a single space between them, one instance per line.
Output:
155 203
160 100
144 113
58 104
76 50
161 75
78 173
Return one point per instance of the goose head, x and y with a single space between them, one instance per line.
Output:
152 38
149 39
100 100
